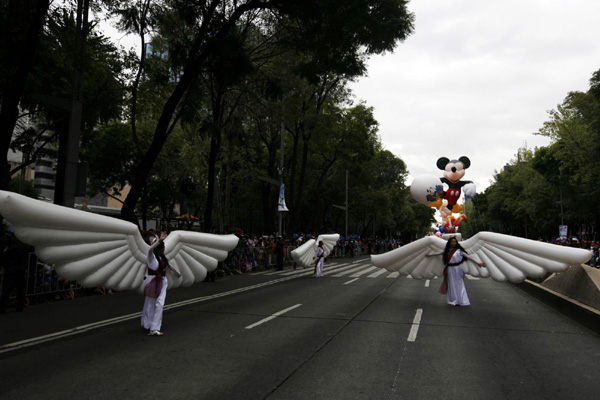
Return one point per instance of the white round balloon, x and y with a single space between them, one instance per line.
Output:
426 189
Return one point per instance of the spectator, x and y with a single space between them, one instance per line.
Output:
14 260
279 253
595 254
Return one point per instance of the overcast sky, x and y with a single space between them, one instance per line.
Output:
477 78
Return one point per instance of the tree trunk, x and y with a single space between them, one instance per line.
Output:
292 168
303 163
18 45
196 59
228 178
215 146
161 135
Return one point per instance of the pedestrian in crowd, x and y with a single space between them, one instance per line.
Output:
251 242
453 285
14 260
279 253
155 286
270 251
320 258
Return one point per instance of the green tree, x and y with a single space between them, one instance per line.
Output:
574 128
21 23
46 96
376 28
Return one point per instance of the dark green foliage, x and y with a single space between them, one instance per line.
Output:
24 187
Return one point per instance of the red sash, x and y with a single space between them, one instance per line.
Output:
444 286
154 288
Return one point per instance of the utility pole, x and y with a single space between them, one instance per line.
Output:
346 234
280 226
345 208
279 182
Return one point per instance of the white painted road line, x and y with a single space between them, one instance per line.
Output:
393 275
355 279
277 314
348 271
376 274
427 283
364 271
311 271
412 336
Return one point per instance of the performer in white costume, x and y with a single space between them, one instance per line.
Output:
320 257
453 285
155 286
305 255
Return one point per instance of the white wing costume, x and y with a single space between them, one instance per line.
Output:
507 258
304 254
96 250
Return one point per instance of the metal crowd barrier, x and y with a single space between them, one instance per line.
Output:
246 259
43 283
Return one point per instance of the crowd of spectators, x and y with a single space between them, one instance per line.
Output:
592 245
259 252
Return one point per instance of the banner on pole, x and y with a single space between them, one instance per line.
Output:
562 231
281 206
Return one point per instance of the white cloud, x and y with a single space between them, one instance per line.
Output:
478 77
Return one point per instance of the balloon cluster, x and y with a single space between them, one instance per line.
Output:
443 193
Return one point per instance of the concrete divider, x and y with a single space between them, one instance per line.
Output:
575 292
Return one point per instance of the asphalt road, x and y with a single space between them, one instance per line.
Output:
356 333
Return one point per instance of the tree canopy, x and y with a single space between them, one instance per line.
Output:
239 95
223 93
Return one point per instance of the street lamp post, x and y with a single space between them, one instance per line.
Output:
346 233
280 226
345 207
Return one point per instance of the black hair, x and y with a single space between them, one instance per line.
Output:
158 249
163 261
448 247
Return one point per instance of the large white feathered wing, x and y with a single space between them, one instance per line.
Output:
194 254
507 258
95 250
513 259
304 254
410 259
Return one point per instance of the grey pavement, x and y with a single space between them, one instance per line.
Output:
352 334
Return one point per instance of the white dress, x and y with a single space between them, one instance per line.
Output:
320 259
457 292
153 307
